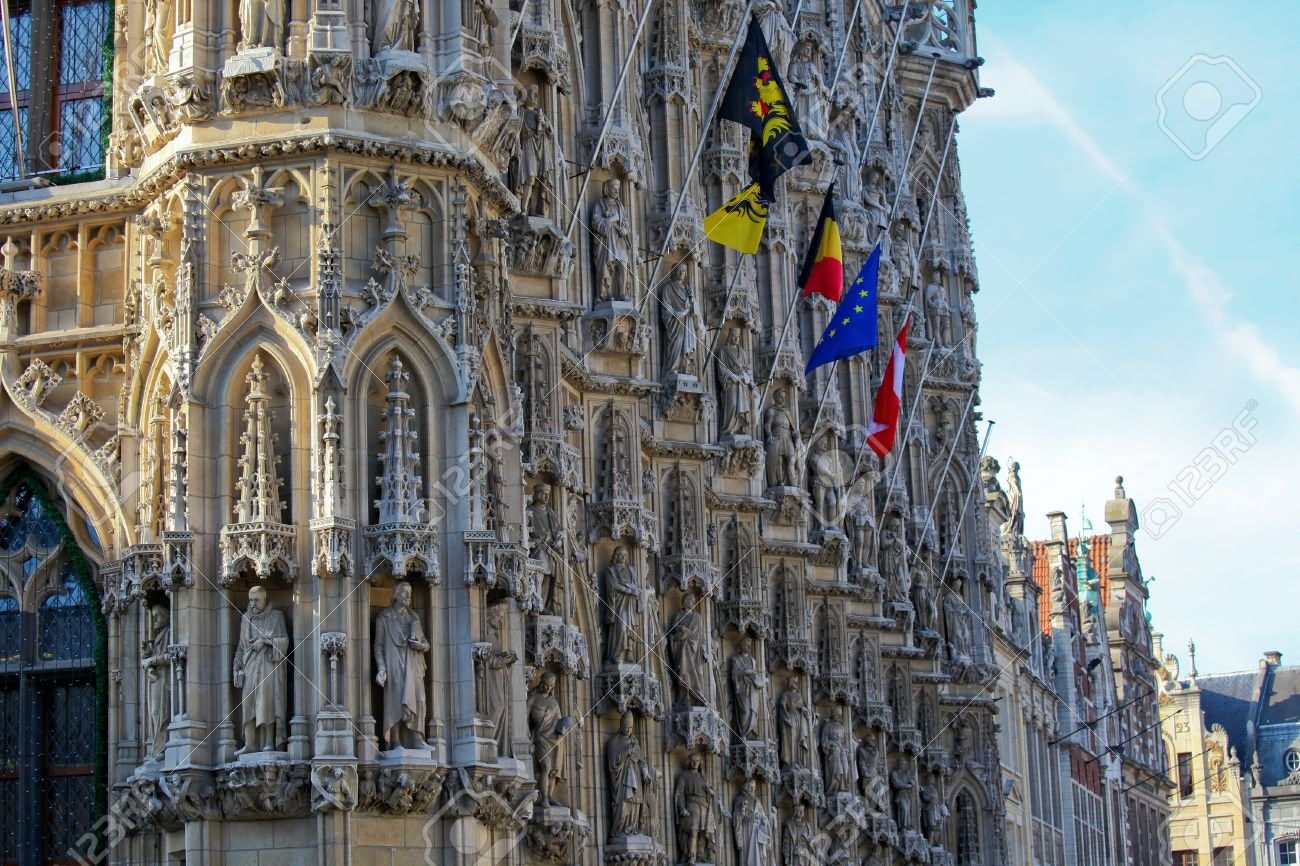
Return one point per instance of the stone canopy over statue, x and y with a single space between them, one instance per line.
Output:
400 648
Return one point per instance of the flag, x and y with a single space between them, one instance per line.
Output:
739 223
889 399
823 265
853 327
756 99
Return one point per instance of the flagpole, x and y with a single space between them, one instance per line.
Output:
609 112
866 147
704 137
911 294
848 37
988 434
952 451
907 428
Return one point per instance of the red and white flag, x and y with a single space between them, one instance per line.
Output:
889 399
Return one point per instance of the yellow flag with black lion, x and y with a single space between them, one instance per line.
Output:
756 98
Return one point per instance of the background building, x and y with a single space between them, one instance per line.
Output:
1079 763
382 485
1242 752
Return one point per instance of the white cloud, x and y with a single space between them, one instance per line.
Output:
1022 96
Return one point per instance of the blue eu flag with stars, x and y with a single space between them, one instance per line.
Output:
853 327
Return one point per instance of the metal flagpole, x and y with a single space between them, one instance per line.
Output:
609 113
969 490
834 82
871 131
911 295
952 452
519 25
907 428
848 35
902 186
13 88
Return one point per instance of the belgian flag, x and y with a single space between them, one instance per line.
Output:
823 266
755 98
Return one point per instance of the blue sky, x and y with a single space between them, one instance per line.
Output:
1135 301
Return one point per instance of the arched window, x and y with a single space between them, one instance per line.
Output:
51 721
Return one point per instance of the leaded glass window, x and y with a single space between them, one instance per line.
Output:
49 724
59 93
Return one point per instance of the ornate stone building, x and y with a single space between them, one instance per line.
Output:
1234 763
1078 731
1209 800
383 486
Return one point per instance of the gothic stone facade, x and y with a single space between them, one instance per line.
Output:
444 501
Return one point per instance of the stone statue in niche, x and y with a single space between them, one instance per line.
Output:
631 782
611 249
735 387
837 758
933 811
777 31
893 560
485 22
545 543
534 182
751 828
795 719
900 786
691 653
547 725
826 471
809 89
622 609
154 660
923 602
746 690
781 441
958 616
869 783
861 528
693 800
497 662
261 675
681 327
394 24
261 24
938 313
798 841
400 648
158 29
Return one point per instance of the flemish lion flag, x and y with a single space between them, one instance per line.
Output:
756 99
823 266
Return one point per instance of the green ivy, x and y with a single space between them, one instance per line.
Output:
85 574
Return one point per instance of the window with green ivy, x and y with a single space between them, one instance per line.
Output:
59 56
49 722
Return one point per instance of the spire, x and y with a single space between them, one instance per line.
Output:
258 484
1191 652
399 484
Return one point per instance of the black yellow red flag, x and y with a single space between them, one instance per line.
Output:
757 99
823 266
